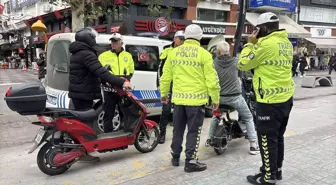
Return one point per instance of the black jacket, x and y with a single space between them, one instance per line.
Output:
86 72
41 63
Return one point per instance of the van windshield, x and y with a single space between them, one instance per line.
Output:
58 60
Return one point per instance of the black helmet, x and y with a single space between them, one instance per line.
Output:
87 35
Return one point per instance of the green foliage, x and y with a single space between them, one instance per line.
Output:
92 11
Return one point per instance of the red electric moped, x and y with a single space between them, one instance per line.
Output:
67 137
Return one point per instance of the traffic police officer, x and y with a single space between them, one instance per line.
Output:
269 53
191 69
122 65
166 108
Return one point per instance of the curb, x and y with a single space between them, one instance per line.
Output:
313 97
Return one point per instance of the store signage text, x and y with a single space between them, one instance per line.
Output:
160 25
16 4
320 32
14 39
289 5
316 14
213 29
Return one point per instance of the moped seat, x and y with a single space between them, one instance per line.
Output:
85 115
226 108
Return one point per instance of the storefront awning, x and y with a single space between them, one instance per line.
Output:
323 42
294 30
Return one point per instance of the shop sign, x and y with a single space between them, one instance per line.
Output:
324 2
161 26
212 29
115 29
294 42
288 5
17 4
316 14
320 32
14 39
100 29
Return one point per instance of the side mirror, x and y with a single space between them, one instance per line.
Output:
108 67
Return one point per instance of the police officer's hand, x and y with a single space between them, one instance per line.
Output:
215 107
127 85
158 88
253 37
164 100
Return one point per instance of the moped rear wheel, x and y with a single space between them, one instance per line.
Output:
45 160
144 145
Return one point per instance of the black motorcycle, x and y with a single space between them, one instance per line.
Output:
226 130
250 97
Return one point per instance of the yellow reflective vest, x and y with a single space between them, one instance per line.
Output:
191 69
121 65
271 59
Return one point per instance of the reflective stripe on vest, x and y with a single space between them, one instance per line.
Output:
190 96
274 91
278 62
188 63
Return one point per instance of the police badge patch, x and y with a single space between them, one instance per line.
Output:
125 59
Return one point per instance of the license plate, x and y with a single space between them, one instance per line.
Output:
39 136
51 99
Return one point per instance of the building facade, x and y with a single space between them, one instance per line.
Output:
319 18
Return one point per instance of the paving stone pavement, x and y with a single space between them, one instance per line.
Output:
17 76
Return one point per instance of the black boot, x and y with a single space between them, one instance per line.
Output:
162 138
258 179
175 162
194 167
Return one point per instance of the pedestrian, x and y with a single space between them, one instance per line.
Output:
191 69
166 108
41 63
85 72
122 65
332 63
231 94
295 64
269 53
303 64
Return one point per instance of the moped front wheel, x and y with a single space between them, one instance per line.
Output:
45 160
145 145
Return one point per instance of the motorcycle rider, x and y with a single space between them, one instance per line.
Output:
270 54
42 64
166 108
231 94
190 68
122 64
85 72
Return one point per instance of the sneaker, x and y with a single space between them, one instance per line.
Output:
162 138
254 148
175 162
258 179
207 142
88 159
194 167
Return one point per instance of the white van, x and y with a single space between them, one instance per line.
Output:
144 78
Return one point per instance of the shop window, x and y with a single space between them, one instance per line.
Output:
58 64
142 11
118 13
146 58
211 15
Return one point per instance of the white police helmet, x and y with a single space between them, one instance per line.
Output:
193 31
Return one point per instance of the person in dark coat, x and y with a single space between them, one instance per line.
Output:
41 63
295 64
303 64
85 74
332 63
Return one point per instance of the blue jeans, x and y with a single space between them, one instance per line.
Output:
239 103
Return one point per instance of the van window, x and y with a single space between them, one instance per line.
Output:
146 58
58 60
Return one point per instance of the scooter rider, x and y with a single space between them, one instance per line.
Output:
85 72
122 64
270 54
231 94
166 108
190 68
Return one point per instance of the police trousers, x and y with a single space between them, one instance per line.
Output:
193 117
164 118
111 99
272 121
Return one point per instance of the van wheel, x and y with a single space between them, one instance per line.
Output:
98 125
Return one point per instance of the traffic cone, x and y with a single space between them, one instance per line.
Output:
25 68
